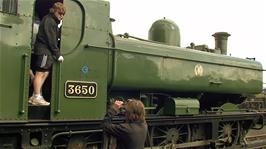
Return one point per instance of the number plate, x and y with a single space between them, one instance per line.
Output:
80 89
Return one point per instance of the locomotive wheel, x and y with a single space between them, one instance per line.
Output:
84 142
76 142
228 134
163 135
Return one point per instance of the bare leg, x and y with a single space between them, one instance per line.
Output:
45 77
37 98
38 81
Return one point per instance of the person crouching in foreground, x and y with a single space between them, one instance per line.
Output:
132 133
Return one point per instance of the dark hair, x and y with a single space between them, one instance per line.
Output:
58 6
135 111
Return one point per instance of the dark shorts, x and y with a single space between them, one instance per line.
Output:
42 63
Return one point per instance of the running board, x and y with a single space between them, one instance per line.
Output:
39 112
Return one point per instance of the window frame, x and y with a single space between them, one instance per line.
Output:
9 6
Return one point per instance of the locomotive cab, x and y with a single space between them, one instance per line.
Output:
85 40
76 89
77 34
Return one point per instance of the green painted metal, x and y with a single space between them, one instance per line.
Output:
149 66
165 31
15 51
181 106
84 26
71 69
229 107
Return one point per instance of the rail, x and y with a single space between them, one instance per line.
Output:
256 140
256 137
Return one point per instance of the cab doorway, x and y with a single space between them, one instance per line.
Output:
41 8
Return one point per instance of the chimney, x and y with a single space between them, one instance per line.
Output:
221 41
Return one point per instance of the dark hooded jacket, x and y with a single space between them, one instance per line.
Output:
129 135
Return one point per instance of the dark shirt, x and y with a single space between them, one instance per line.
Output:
47 37
129 135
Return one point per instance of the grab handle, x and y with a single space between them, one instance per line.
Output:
24 83
58 89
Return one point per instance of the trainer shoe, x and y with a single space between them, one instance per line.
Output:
38 101
30 99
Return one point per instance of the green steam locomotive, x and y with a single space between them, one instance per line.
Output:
191 94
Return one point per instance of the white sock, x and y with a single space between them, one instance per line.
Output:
37 95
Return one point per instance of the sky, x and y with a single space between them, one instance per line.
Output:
197 20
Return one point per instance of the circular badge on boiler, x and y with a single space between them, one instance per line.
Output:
198 70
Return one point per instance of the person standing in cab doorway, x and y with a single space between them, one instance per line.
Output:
132 133
46 50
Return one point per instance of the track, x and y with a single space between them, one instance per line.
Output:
256 139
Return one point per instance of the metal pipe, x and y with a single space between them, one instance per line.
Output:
24 84
75 132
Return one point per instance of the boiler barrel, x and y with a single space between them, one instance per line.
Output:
146 66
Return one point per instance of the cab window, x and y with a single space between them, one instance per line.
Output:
9 6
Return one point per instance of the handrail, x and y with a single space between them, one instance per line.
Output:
58 88
69 133
24 96
5 26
